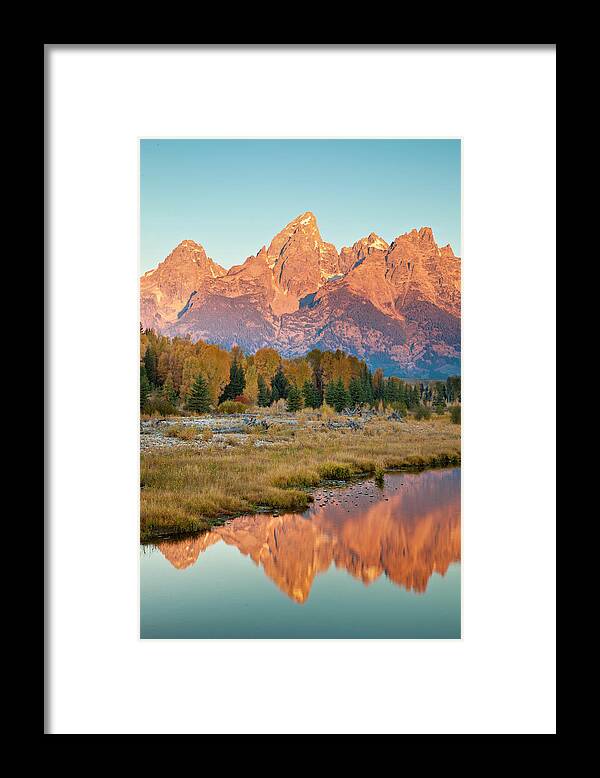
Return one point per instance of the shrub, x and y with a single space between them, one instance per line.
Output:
181 431
455 414
158 405
206 434
422 412
243 399
278 406
231 406
327 412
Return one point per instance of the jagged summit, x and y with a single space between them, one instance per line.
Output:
397 305
188 243
376 241
166 289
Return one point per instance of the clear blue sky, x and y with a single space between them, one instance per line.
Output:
233 196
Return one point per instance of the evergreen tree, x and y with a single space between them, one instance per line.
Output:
439 401
403 392
264 396
237 382
453 388
310 394
144 387
318 383
337 396
280 386
356 391
294 399
378 385
388 392
199 397
331 393
413 397
168 390
366 382
151 363
344 400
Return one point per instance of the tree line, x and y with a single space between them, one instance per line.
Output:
176 374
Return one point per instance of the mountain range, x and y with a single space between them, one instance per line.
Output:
395 305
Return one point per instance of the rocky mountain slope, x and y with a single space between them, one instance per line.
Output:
396 305
166 290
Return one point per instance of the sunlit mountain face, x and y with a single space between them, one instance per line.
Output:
395 305
406 531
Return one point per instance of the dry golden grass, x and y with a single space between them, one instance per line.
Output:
185 489
181 431
156 415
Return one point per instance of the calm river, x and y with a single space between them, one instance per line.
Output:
362 562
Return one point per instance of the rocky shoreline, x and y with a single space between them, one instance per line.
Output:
231 429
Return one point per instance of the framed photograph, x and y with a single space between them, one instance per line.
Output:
309 391
276 275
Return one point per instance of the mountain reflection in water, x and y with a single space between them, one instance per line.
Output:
406 531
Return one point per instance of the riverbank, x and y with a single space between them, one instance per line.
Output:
200 478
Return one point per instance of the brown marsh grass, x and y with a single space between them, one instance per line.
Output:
186 489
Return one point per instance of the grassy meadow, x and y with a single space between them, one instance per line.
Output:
187 488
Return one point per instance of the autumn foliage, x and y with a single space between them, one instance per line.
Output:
178 375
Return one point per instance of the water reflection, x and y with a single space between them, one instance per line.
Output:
406 531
